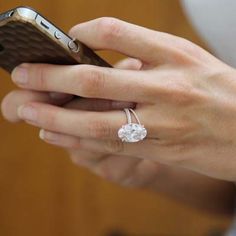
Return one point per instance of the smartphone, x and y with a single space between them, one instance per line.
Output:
27 36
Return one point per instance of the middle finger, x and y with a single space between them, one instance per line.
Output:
16 98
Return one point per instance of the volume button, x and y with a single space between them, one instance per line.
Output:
57 35
73 46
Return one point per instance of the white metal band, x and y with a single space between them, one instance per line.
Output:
128 115
135 115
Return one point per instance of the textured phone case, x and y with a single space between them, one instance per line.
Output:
22 41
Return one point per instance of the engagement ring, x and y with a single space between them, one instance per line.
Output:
132 132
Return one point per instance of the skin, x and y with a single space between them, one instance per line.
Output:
183 95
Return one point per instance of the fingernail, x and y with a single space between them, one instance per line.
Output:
20 75
42 134
47 135
27 113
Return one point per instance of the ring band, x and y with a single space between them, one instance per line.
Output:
132 132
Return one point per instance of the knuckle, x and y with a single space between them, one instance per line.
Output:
181 57
99 129
109 28
178 132
180 92
114 146
177 152
181 96
47 118
188 53
93 82
104 172
41 78
184 58
152 91
189 47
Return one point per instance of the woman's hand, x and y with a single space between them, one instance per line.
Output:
128 171
185 97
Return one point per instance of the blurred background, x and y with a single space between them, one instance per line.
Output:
42 193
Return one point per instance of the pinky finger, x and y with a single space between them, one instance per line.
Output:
105 147
75 143
102 149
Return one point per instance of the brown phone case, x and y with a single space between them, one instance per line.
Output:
23 40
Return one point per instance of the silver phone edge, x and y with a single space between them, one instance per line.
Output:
65 40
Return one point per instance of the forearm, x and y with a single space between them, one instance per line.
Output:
200 191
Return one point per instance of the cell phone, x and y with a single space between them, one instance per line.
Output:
27 36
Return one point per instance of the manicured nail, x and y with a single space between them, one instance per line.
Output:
42 134
20 75
27 113
48 136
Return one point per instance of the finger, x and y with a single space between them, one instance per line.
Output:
132 40
115 168
12 101
101 147
161 152
168 152
16 98
90 104
86 81
127 171
86 124
129 64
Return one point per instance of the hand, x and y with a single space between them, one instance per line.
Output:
129 171
185 98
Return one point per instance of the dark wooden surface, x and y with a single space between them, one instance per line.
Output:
43 193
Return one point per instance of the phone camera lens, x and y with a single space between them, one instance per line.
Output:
9 14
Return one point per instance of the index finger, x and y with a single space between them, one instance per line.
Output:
135 41
86 81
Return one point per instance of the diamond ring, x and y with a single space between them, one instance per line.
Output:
132 132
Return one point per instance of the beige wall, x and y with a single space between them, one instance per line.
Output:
43 194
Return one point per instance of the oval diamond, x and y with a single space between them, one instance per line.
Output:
132 132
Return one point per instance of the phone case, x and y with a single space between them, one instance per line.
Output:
23 40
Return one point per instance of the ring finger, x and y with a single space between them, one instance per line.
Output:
84 124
